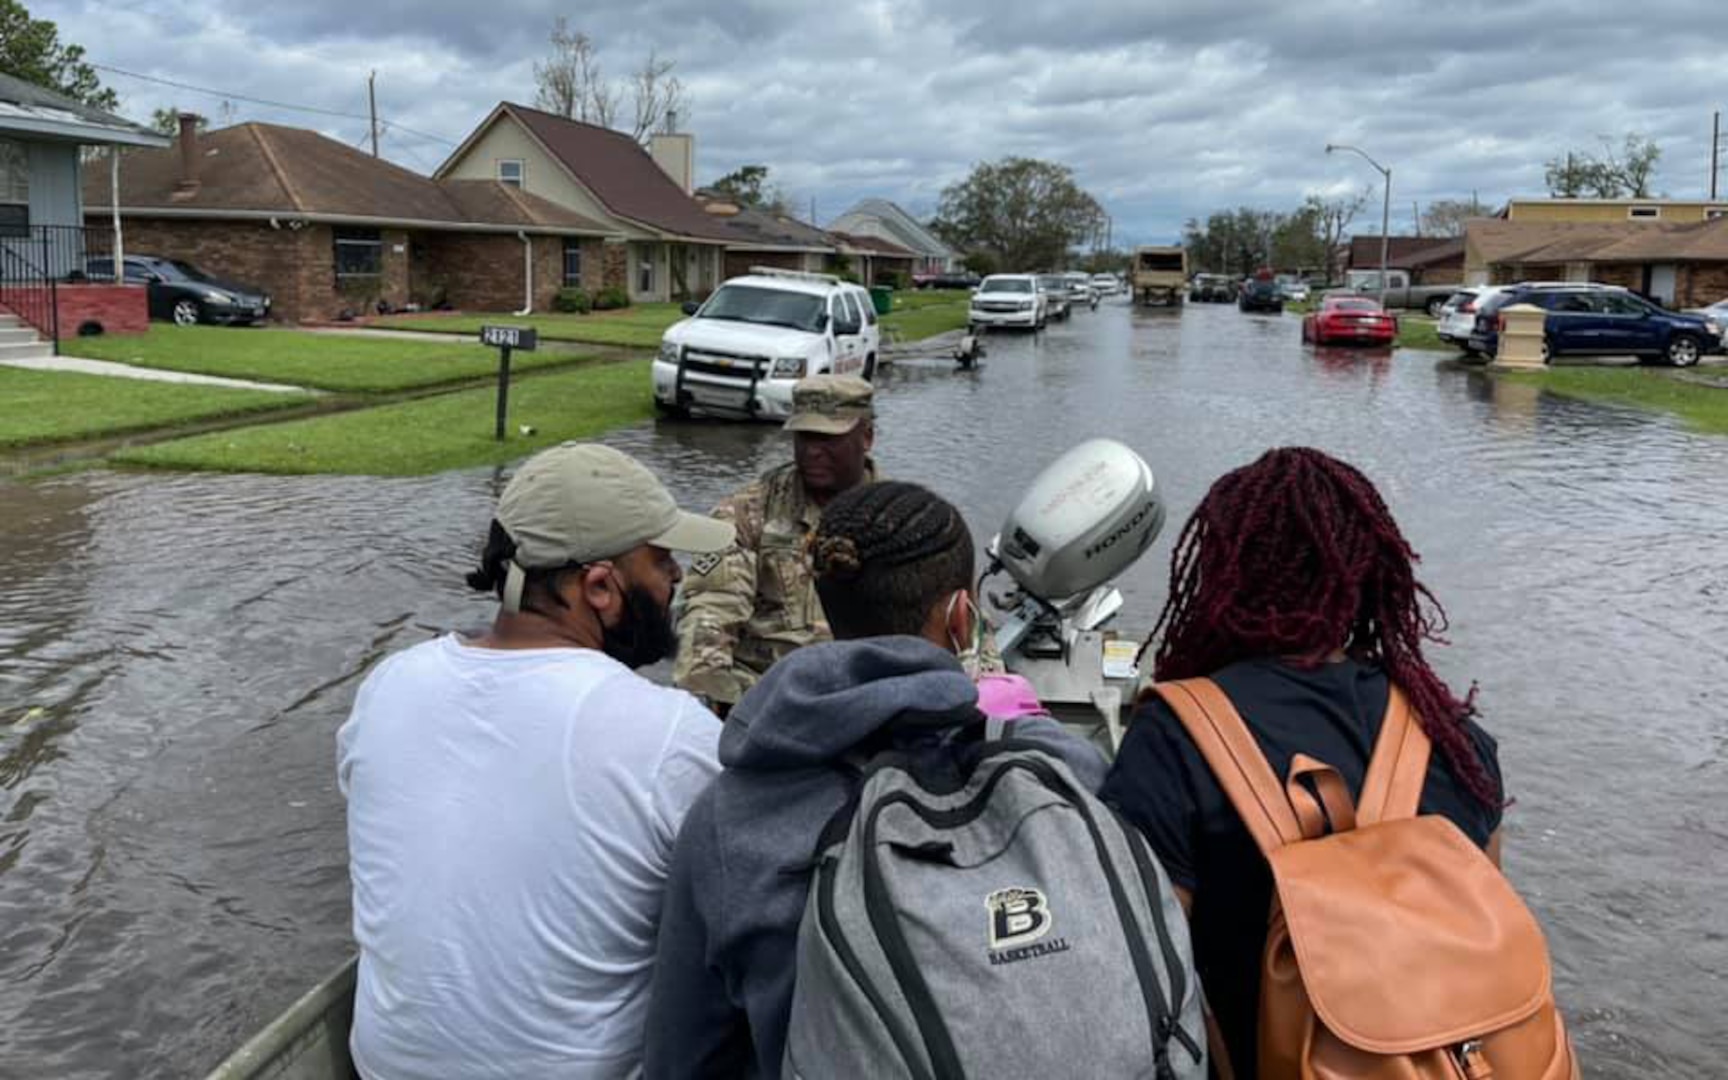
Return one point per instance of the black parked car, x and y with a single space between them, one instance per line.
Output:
185 294
1260 295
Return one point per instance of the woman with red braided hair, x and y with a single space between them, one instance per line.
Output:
1293 588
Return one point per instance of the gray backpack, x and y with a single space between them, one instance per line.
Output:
990 920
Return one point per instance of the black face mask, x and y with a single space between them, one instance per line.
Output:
644 634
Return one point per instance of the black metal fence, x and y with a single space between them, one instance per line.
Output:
36 261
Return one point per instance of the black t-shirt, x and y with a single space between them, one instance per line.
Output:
1161 784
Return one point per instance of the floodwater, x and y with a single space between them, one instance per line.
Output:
176 653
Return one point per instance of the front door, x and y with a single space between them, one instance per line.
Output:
1661 284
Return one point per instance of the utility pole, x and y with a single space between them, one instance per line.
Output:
372 102
1715 150
1416 215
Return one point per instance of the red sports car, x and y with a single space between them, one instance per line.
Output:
1355 319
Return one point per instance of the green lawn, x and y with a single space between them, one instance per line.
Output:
1703 408
56 406
639 326
323 361
449 431
1416 332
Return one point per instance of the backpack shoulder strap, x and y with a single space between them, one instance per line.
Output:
1399 768
1235 759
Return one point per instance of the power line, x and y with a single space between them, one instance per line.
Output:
271 104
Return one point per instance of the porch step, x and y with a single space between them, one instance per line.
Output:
8 321
17 335
25 350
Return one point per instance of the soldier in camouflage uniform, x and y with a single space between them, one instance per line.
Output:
746 607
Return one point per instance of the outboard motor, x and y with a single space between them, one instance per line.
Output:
1085 520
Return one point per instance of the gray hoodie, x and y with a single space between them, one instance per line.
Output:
729 930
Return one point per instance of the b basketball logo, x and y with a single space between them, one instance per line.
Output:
1017 916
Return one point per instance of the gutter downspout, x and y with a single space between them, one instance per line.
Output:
527 273
119 236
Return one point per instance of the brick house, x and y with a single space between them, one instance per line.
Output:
872 258
768 238
667 246
883 220
325 228
1679 264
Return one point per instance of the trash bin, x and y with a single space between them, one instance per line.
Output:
883 297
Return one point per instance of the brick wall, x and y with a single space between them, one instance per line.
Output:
394 283
738 263
1700 284
615 267
117 309
478 272
294 266
1626 275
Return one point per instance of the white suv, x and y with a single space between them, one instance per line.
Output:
739 353
1008 300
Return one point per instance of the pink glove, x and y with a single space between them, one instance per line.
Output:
1004 697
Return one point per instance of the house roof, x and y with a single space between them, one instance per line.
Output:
1530 242
764 228
1365 250
618 172
901 226
31 109
874 245
1439 253
265 169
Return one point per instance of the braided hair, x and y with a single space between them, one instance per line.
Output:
884 555
1294 556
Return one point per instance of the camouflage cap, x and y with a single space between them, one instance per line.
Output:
830 404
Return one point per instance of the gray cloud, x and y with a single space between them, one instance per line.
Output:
1165 109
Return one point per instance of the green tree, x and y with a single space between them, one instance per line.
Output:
1027 213
30 49
1624 172
749 185
167 121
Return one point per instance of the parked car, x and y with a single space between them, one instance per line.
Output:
180 292
1600 320
1212 288
1008 300
1260 294
1458 314
1057 302
1106 284
1080 292
1355 320
739 352
1293 292
1400 293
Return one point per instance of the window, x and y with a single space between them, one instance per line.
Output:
869 308
1622 304
572 263
645 271
511 171
765 307
14 188
1644 211
359 254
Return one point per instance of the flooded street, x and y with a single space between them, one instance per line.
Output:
176 653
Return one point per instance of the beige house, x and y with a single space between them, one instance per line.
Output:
1608 211
670 248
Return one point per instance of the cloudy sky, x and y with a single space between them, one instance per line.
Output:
1165 110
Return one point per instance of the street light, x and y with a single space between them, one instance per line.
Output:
1385 210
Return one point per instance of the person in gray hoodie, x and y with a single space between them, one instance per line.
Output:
893 565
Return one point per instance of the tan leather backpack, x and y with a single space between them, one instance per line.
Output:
1396 949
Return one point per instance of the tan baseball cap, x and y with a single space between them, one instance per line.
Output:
831 404
581 502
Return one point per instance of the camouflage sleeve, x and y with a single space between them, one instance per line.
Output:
719 598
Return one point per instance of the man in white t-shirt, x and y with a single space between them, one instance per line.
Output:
513 798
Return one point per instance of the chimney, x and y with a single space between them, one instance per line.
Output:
675 154
189 155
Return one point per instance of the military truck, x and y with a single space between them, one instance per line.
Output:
1159 275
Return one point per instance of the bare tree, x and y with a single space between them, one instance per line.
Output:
1446 217
658 95
1332 218
570 80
